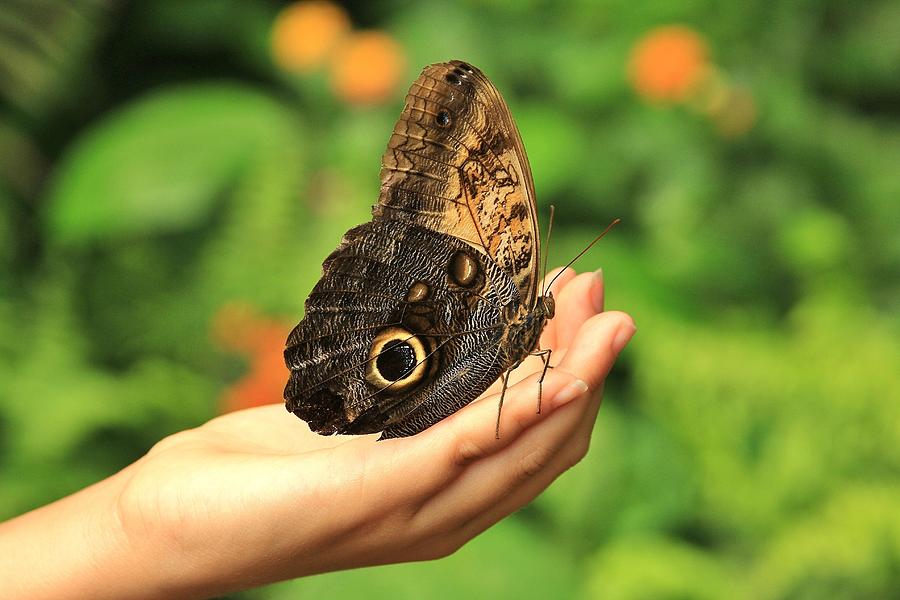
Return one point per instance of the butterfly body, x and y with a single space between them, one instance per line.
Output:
421 309
524 327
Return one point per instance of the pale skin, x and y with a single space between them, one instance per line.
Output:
254 497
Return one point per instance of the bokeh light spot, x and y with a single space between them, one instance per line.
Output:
668 63
305 33
367 68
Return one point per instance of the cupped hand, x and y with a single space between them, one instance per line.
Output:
253 496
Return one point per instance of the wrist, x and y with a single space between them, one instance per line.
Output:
75 547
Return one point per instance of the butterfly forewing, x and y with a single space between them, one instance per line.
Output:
456 164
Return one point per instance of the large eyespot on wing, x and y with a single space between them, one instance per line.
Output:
456 164
397 361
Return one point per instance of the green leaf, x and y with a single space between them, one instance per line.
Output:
160 163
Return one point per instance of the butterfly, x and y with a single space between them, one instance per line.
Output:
422 308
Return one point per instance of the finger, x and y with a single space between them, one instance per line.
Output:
597 344
572 452
531 486
577 302
517 457
590 357
443 528
489 481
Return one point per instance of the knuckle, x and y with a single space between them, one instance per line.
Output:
534 462
467 451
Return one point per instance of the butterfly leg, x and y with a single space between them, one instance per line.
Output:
500 404
545 356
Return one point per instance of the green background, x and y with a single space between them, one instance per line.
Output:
156 165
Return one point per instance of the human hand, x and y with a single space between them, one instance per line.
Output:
253 496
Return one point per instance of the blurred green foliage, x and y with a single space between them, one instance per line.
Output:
156 165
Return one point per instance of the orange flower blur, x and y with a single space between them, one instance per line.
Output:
668 63
305 33
367 68
242 330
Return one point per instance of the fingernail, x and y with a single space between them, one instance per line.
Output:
623 336
573 390
597 291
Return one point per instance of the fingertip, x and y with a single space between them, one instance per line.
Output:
575 305
625 329
593 350
580 291
609 324
624 333
621 316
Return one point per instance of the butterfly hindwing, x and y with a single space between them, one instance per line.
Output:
451 322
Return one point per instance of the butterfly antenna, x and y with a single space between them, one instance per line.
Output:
547 245
588 247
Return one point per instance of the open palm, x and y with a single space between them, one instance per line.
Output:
253 496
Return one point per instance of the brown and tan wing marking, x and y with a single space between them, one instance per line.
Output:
456 164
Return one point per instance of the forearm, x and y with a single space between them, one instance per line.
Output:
72 548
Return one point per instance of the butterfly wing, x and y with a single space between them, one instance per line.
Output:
388 283
456 164
405 325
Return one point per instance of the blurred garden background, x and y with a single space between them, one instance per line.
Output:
172 174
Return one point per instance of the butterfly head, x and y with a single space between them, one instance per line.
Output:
546 305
